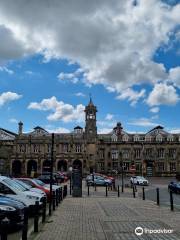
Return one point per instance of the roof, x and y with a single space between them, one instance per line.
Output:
7 131
78 127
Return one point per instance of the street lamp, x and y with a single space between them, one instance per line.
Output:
51 172
122 172
70 171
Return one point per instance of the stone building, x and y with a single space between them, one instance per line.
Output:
156 152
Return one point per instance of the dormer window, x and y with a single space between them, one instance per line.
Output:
125 138
78 130
148 138
159 138
114 138
170 138
136 138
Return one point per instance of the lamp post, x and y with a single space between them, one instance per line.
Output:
51 172
122 172
70 171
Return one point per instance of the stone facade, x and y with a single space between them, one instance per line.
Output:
156 152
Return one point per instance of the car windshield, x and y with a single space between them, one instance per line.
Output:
14 185
39 182
139 177
23 184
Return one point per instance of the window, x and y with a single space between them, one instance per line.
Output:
125 138
148 138
170 138
65 147
160 153
101 153
114 138
172 167
159 138
48 148
172 153
136 138
78 148
36 148
125 153
114 154
115 165
137 153
100 166
160 166
126 166
148 152
22 148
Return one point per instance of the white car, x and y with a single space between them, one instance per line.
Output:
11 189
139 180
30 188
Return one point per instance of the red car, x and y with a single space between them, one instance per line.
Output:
36 184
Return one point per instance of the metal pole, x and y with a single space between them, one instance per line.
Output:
25 224
143 193
51 174
36 217
171 201
118 192
106 190
134 194
122 177
70 183
157 191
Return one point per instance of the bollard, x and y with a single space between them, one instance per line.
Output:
54 200
134 194
59 194
88 189
25 224
171 200
57 202
118 191
106 190
95 187
157 192
143 193
44 211
70 186
4 228
36 217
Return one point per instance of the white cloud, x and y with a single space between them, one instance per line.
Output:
13 120
162 94
5 69
80 94
61 111
58 130
109 116
73 77
143 122
131 95
175 131
174 76
154 110
104 130
8 97
112 41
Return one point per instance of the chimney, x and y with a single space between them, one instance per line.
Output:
20 130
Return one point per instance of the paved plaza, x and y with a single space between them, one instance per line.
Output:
99 217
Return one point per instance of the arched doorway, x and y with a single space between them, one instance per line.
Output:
31 166
46 166
77 164
62 165
16 168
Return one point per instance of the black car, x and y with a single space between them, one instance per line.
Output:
11 210
174 187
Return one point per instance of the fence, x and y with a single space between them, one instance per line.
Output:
40 211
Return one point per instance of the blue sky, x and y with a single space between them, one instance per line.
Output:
50 64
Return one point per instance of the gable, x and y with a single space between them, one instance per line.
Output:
6 135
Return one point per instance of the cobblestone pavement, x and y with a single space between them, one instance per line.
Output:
99 217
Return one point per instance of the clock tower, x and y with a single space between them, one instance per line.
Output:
90 117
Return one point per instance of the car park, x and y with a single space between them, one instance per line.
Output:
139 180
174 187
11 210
11 189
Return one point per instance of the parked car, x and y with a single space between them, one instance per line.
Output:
174 187
46 177
139 180
36 184
11 189
98 180
11 209
30 188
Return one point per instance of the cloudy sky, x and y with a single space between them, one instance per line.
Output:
54 53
